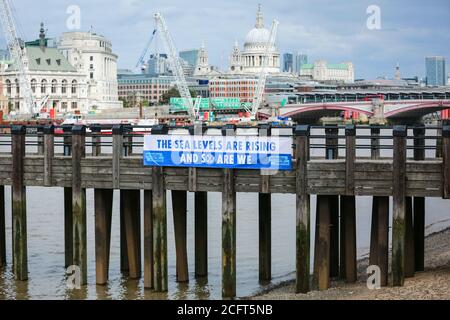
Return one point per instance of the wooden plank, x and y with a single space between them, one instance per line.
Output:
179 208
322 246
192 180
103 202
159 231
49 150
201 234
228 235
148 239
117 156
399 209
79 203
19 207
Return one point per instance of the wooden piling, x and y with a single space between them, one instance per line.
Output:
382 243
303 210
132 228
79 202
96 140
419 204
40 140
179 208
322 247
68 220
265 243
264 218
49 142
19 205
201 234
159 231
399 203
228 227
332 152
348 211
446 161
2 227
409 239
103 202
148 239
159 223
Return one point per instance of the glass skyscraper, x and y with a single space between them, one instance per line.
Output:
288 62
435 69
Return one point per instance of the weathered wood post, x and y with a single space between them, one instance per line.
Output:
132 227
68 220
159 223
201 215
348 210
439 141
79 202
409 238
301 135
49 149
419 204
148 239
19 204
379 240
265 218
119 153
332 152
2 227
399 203
40 139
228 226
128 143
446 161
179 208
103 202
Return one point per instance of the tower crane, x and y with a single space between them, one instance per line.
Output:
141 61
17 51
259 90
177 69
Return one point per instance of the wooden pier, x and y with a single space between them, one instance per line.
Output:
83 158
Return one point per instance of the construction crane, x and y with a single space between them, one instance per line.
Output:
17 51
259 90
141 61
177 68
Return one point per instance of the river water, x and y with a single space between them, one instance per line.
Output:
46 247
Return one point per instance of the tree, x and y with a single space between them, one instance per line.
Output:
174 93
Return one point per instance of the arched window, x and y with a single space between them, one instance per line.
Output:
16 82
8 87
54 86
64 86
74 86
44 86
33 85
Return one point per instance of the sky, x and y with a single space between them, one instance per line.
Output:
334 30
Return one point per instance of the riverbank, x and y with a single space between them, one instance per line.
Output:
433 283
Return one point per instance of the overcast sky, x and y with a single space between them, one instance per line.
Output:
334 30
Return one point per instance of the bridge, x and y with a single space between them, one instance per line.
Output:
381 110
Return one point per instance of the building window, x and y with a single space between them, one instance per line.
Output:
64 87
33 85
8 87
17 86
92 58
74 105
74 86
44 86
92 75
64 105
54 86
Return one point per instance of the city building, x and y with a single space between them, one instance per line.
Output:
322 71
4 62
255 48
55 83
435 70
148 87
236 66
92 56
288 62
158 64
239 87
189 59
299 60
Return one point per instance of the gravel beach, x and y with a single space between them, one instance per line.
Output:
433 283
